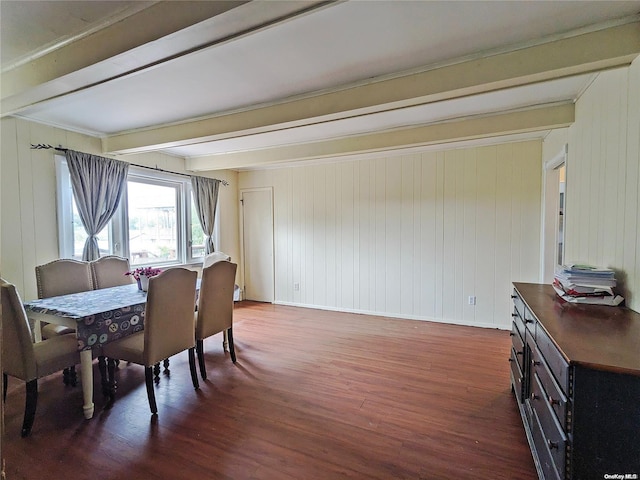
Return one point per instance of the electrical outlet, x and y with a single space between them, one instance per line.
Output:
296 287
472 300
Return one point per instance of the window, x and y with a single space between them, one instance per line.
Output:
153 221
156 222
71 232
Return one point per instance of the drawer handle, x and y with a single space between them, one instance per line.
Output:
534 396
535 363
553 401
526 320
514 296
514 315
511 334
519 353
510 359
552 445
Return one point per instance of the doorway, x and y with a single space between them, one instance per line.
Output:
554 214
257 244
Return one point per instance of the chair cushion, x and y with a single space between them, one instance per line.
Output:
129 349
55 354
50 330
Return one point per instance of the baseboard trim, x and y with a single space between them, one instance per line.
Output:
397 315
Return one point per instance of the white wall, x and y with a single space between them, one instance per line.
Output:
603 178
28 201
409 236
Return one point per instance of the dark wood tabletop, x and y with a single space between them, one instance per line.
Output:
600 337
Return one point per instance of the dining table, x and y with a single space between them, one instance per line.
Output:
98 316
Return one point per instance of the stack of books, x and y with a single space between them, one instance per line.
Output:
586 284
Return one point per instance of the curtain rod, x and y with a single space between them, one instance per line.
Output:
44 146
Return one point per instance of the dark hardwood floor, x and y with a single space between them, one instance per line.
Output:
314 395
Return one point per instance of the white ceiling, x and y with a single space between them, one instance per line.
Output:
141 81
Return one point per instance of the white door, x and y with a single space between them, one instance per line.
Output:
257 244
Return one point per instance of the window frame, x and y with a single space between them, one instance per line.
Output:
119 224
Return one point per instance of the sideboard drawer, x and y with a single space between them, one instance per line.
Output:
518 321
554 394
517 376
556 362
530 322
545 459
518 303
554 437
518 346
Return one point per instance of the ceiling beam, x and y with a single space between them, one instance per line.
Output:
141 28
588 52
159 33
543 118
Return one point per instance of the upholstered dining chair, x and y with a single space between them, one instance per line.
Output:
209 260
215 307
62 277
168 329
26 360
110 271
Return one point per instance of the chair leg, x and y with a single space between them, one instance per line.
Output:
148 380
192 367
156 373
5 384
200 352
30 407
111 374
73 376
65 376
232 349
165 365
104 379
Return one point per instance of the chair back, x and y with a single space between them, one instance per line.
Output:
18 358
109 271
62 277
215 300
169 315
214 257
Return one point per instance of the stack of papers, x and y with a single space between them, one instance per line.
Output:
586 284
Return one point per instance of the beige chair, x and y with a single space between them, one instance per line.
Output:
209 260
28 361
168 329
110 271
215 307
62 277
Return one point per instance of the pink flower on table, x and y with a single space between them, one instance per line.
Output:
146 271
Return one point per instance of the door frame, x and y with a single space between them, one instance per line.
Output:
551 198
242 257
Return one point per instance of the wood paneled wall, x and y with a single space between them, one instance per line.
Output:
28 207
409 236
603 178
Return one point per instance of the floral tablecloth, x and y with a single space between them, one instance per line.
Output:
102 315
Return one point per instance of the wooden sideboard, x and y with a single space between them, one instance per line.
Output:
575 372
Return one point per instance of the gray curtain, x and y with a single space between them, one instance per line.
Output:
205 197
98 184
